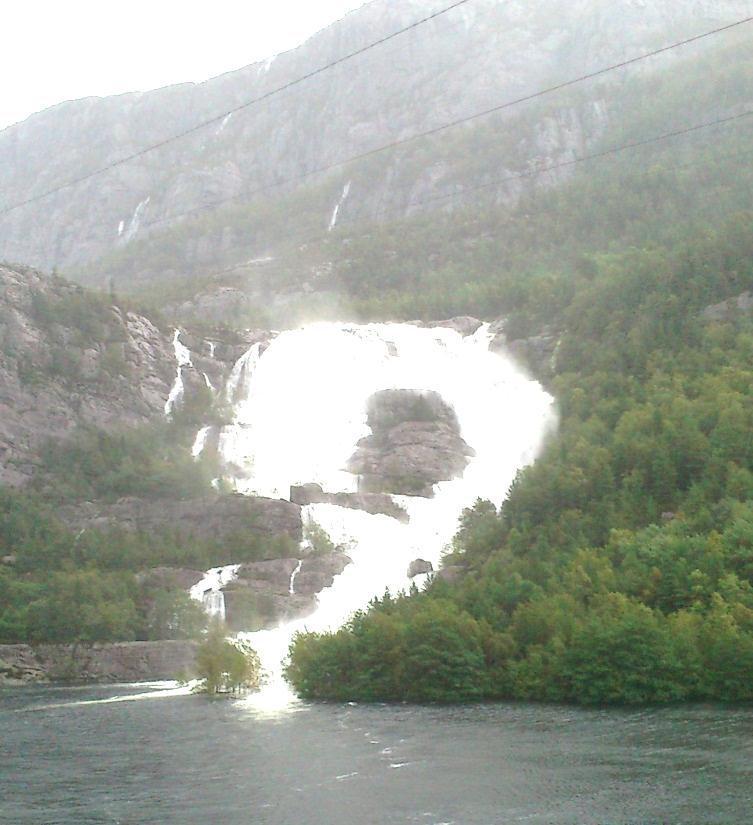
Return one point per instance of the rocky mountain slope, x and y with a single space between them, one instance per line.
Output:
68 358
475 57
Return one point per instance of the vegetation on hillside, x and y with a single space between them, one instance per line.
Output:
620 570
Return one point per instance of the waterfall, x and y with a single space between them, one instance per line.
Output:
241 374
338 206
294 576
201 441
209 590
183 359
300 411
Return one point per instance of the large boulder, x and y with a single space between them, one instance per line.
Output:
319 572
419 567
415 443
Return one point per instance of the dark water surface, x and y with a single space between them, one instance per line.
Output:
186 760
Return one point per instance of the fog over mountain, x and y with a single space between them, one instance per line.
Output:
473 58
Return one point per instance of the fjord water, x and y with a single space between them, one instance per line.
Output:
300 408
183 760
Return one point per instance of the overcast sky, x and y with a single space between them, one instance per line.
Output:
55 50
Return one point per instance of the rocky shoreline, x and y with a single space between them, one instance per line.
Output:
103 663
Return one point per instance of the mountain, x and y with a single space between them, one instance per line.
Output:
124 224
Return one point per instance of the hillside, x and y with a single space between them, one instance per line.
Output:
487 233
469 60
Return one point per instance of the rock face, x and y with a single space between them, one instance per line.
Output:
462 324
67 358
374 503
261 596
122 662
415 443
537 353
70 358
729 309
205 518
468 61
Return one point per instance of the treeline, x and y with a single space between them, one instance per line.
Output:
620 570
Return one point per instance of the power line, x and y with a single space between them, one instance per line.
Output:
235 110
584 158
544 170
452 124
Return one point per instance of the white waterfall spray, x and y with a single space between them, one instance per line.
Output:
338 206
201 441
183 359
300 411
242 373
209 590
294 576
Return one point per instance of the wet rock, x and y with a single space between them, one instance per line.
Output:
415 443
275 574
260 597
419 567
499 339
374 503
537 353
319 572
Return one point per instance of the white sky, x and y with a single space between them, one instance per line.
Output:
55 50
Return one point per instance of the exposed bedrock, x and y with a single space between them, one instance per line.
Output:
462 324
374 503
415 443
269 592
120 662
211 517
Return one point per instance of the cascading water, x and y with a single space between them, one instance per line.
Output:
200 441
242 371
183 358
294 576
209 590
300 411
